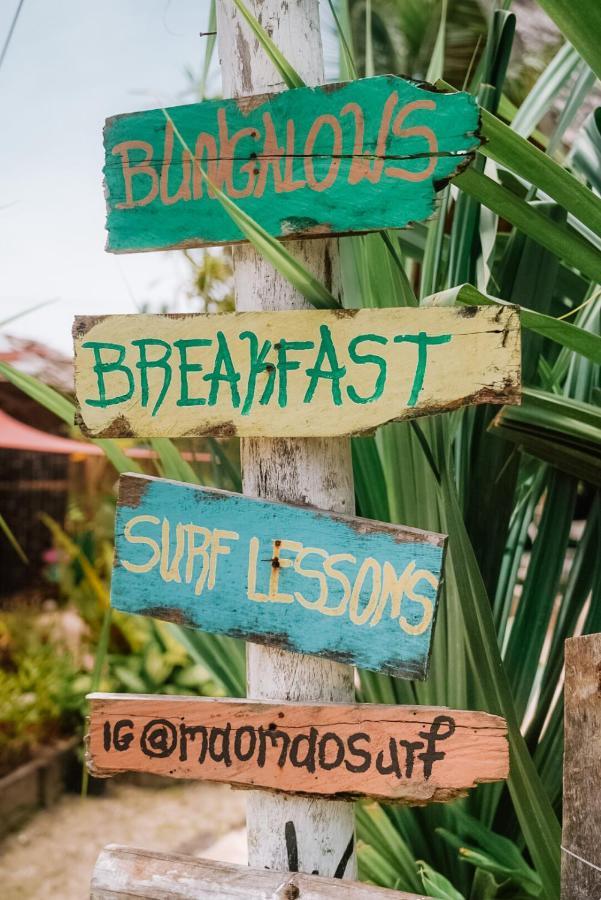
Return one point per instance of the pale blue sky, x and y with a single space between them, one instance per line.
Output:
70 65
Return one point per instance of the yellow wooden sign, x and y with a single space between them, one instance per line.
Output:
290 374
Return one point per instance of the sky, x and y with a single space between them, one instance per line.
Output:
69 66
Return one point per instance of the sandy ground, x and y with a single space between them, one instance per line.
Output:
52 857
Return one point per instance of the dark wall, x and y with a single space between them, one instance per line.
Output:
30 483
21 407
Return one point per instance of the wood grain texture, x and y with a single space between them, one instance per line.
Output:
290 374
308 470
129 874
314 161
305 580
400 754
580 880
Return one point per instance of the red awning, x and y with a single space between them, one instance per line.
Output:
15 435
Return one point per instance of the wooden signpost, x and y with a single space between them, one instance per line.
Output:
312 162
305 580
408 754
125 873
296 373
335 159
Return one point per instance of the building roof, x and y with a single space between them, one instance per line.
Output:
34 358
16 435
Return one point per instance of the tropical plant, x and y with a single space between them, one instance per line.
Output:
400 35
39 701
517 491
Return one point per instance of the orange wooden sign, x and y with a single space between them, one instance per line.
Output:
412 754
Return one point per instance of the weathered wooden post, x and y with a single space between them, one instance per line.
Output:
313 471
581 849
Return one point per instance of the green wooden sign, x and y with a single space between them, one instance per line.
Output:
336 159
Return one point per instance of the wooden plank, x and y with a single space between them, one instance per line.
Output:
334 159
349 589
296 373
407 754
129 874
581 857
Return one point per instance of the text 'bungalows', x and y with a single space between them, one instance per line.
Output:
309 581
334 159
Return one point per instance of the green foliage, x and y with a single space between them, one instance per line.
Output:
563 432
581 24
436 884
212 281
586 152
12 540
45 676
404 35
490 853
39 698
568 335
159 664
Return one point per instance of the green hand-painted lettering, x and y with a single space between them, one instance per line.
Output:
364 359
423 341
185 366
257 366
286 365
161 363
223 371
334 374
102 368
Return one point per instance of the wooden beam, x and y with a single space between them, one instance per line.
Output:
126 873
581 849
300 373
408 754
341 587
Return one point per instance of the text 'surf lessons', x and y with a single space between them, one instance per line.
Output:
189 553
310 581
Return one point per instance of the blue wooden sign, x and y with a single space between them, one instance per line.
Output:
350 589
